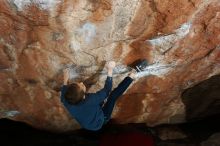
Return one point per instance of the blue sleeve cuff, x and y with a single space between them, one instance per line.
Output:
109 78
129 79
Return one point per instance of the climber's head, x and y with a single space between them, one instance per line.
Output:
75 93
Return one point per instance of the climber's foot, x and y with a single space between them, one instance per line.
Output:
141 65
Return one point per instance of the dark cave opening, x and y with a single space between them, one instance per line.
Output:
203 99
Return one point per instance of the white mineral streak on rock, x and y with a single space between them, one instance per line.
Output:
42 4
157 69
8 113
83 35
164 43
88 31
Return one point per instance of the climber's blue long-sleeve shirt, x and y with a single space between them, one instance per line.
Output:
89 111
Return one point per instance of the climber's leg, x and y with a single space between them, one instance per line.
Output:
117 92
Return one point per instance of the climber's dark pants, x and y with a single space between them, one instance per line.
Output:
114 95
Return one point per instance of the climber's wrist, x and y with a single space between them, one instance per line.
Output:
65 81
110 72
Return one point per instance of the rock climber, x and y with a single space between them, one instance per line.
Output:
87 108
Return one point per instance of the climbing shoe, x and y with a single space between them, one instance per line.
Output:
141 65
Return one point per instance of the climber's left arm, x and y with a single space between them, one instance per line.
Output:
65 76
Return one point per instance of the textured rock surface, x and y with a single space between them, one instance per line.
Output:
40 38
213 140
